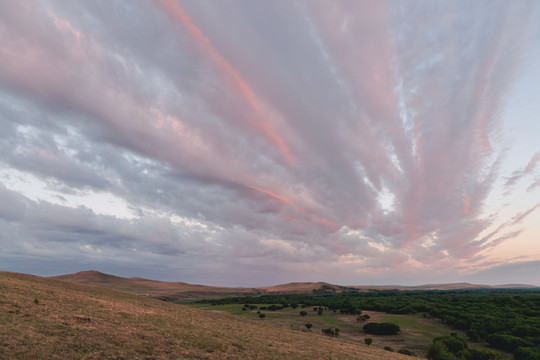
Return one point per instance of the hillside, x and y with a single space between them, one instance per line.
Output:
51 319
165 290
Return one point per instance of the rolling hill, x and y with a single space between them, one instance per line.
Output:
165 290
51 319
179 290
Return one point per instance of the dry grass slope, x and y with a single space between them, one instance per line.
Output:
49 319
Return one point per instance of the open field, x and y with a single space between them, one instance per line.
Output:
417 332
50 319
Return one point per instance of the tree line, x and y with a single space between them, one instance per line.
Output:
508 320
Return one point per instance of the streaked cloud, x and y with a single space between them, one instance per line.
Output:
262 142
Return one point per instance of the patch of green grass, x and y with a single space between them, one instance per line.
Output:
420 328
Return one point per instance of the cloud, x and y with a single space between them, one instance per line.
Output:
517 175
263 138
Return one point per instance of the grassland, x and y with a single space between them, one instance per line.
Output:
417 332
49 319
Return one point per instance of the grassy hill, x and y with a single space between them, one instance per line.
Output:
50 319
180 290
170 291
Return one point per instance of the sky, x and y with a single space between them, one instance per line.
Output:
253 143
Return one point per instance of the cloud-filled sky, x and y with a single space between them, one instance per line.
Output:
251 143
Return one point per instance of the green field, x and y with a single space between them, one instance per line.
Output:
417 332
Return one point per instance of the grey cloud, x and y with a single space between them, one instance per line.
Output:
370 98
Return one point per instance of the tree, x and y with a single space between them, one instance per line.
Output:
262 316
309 325
303 313
381 328
527 353
506 342
368 341
451 347
363 317
474 354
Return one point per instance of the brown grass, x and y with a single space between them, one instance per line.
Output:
49 319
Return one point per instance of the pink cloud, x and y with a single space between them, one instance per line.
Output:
262 124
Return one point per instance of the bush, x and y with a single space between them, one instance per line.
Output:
455 344
381 328
362 317
474 354
303 313
437 351
368 341
525 331
447 348
309 325
505 342
388 348
527 353
262 316
406 352
331 332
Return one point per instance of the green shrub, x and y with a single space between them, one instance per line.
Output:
449 347
406 352
527 353
506 342
437 351
381 328
331 332
368 341
475 354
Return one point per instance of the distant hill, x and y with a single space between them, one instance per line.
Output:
163 290
50 319
458 286
179 290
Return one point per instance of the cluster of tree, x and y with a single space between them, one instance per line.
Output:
331 332
381 328
454 347
505 319
318 309
363 317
